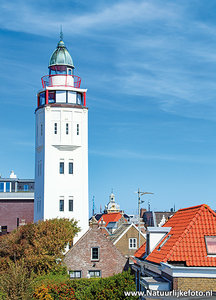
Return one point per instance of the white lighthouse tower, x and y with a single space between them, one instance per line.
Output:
61 148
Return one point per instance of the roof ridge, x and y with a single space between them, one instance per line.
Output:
192 207
186 230
79 240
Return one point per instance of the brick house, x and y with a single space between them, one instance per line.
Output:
16 202
181 255
94 255
126 239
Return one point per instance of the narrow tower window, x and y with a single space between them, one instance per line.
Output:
55 128
70 204
77 129
67 128
70 168
61 205
61 167
41 129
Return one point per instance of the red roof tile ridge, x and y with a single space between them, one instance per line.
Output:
187 229
193 207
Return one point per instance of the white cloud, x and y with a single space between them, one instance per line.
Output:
23 16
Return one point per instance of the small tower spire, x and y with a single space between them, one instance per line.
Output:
61 34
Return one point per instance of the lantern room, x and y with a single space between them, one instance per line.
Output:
61 85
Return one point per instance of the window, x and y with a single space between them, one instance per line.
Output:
67 128
95 253
95 273
70 204
132 243
70 168
42 99
51 97
77 129
69 71
55 128
61 205
75 274
79 98
41 129
3 229
60 96
1 187
210 245
61 168
71 97
26 187
7 186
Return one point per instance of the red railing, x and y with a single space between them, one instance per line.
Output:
65 80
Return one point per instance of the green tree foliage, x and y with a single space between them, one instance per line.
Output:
90 289
15 282
39 245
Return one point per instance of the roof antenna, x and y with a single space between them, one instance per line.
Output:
61 34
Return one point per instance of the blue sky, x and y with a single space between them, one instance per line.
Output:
150 71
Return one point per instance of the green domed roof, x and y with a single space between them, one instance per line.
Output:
61 56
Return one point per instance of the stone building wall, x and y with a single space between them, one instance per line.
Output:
78 258
194 284
10 210
123 243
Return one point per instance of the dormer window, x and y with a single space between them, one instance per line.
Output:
210 245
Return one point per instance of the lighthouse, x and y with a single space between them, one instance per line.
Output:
61 146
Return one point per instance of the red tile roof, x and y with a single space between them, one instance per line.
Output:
141 251
111 217
187 242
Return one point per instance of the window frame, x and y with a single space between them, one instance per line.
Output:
26 188
75 271
206 243
61 167
67 128
98 256
61 208
78 129
3 185
69 164
134 245
94 271
70 200
55 128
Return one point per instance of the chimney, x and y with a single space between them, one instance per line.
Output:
93 223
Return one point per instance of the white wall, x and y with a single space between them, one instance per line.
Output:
50 186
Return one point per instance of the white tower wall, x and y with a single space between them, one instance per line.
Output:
51 149
61 140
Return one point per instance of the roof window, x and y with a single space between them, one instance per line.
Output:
210 245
